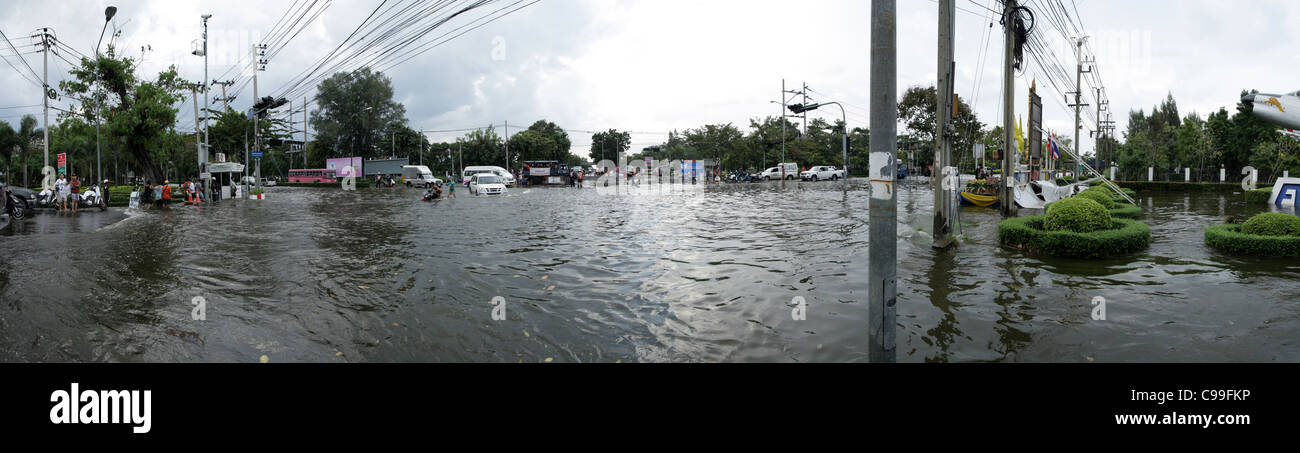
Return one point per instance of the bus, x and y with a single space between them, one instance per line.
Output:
313 175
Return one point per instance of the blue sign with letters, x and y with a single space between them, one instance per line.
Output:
1286 192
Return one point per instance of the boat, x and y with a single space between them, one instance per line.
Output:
974 199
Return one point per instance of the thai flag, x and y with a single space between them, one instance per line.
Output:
1051 146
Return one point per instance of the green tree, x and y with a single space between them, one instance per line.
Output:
356 115
138 114
609 144
28 138
917 110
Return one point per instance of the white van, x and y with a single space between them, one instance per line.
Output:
469 172
419 176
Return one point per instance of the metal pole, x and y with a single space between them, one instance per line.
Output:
507 142
942 140
782 118
1008 201
883 265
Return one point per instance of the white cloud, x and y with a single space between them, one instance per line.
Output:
658 65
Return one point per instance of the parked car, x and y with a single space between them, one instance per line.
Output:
486 184
821 172
469 172
791 171
506 178
268 182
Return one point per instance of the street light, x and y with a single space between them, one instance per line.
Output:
800 108
99 169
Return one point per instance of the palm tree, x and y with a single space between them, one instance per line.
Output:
28 136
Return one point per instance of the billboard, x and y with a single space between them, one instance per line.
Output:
343 162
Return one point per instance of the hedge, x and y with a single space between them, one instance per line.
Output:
1229 238
1258 196
1077 214
1179 186
1027 233
1272 224
1122 209
1127 211
1102 198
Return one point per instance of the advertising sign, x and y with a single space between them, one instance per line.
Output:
339 164
63 163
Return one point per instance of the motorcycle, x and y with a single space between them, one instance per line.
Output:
94 197
13 207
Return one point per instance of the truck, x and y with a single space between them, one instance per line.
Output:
419 176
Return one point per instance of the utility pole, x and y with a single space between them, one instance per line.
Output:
1008 201
198 141
804 92
259 50
1096 143
782 118
882 268
224 99
942 135
507 146
45 97
207 110
1078 91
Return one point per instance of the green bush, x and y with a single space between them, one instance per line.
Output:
1102 198
1027 233
1230 238
1125 210
1079 215
1272 224
1258 196
1179 186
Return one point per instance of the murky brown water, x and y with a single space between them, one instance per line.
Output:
704 275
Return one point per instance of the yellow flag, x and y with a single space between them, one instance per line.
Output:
1020 137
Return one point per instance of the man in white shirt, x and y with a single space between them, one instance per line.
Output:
61 192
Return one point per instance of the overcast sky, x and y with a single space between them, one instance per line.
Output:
656 65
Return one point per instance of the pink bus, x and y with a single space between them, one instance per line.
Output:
313 175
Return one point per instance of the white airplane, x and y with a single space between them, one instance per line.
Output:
1280 109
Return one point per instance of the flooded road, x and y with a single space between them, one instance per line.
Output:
709 274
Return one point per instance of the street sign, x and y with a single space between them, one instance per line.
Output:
257 155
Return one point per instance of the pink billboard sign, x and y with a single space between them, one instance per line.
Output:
339 164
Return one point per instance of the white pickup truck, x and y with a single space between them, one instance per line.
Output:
820 173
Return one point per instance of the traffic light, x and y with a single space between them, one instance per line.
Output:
267 103
797 108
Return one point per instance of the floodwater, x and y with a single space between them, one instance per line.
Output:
597 275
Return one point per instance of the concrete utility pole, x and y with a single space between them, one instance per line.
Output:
45 97
782 118
224 99
507 142
883 265
804 92
198 141
942 135
1078 92
1008 201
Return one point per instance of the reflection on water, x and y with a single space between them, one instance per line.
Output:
643 275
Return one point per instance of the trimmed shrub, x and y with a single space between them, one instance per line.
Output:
1079 215
1272 224
1230 238
1102 198
1258 196
1179 186
1125 210
1027 233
